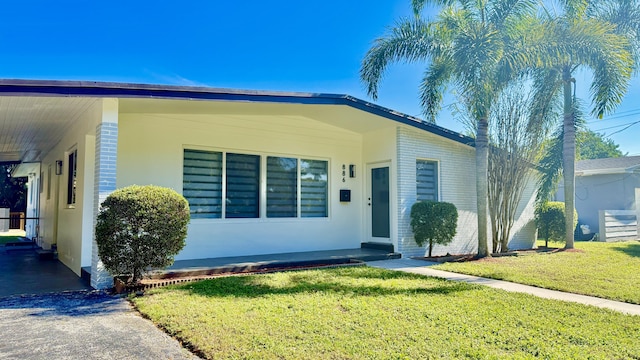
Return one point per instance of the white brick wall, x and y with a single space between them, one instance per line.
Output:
456 185
105 183
523 232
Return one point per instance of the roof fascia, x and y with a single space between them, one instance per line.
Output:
126 90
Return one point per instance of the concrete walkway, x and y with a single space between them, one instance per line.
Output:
423 268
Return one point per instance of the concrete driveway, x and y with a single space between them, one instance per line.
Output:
80 325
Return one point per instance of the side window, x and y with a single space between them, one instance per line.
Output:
202 183
72 179
426 180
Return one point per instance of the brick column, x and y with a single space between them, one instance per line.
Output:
104 181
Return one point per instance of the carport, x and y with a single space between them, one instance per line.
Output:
24 273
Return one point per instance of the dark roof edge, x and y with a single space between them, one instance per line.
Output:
132 90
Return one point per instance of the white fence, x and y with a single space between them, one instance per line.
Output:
618 225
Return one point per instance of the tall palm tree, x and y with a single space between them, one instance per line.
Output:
599 36
476 46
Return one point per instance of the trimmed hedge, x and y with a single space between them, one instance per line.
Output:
141 227
550 221
433 221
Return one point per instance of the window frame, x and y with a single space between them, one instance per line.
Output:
72 178
437 177
263 185
49 168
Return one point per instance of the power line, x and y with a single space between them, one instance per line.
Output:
617 126
616 132
619 115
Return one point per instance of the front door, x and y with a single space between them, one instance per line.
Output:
379 224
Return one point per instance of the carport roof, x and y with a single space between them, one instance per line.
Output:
80 93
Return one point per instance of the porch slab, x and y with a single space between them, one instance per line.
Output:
258 262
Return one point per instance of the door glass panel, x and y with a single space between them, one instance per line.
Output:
380 203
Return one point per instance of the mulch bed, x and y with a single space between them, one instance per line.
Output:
493 257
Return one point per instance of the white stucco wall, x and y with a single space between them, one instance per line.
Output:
150 151
71 227
379 148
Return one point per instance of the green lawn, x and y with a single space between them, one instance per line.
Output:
7 239
607 270
368 313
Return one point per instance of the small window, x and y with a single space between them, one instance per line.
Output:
72 179
282 187
426 180
243 186
202 183
49 182
313 197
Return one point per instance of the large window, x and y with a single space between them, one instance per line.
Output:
72 179
426 180
294 187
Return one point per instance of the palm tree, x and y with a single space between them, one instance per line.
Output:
476 46
603 38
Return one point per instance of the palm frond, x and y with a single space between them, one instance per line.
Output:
410 41
433 86
504 11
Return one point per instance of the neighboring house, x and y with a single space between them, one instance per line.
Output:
264 172
604 184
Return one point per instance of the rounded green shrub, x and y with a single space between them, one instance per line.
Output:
139 228
550 221
434 222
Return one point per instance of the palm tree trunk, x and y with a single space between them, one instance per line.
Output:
568 158
482 185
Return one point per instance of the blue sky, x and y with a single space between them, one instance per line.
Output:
309 46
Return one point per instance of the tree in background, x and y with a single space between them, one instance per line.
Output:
13 191
476 46
593 145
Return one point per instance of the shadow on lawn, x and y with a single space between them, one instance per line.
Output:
632 249
359 282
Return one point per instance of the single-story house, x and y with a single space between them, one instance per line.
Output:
604 184
264 172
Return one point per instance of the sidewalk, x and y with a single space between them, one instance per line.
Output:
423 268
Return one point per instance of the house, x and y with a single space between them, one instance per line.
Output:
264 172
604 184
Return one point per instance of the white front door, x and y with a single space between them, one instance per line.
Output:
378 203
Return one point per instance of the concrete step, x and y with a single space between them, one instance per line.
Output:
378 246
46 254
